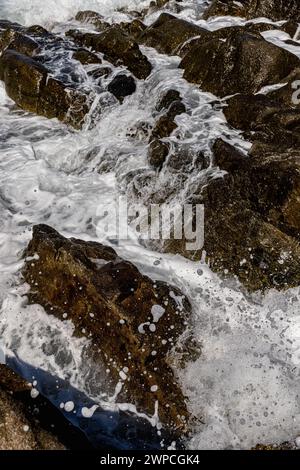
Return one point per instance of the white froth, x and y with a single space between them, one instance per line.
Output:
244 388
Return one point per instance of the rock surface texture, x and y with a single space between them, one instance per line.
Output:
132 321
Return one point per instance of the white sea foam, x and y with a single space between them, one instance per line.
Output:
244 387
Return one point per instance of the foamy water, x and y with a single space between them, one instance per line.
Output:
243 390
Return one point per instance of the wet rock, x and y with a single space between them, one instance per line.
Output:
133 29
14 39
157 153
168 33
16 432
290 27
167 99
28 84
100 72
238 64
131 320
252 223
37 30
166 123
12 382
265 119
164 127
92 17
33 423
117 48
86 57
24 45
227 157
252 217
121 86
224 33
275 10
288 95
183 160
19 430
284 446
224 8
176 108
6 24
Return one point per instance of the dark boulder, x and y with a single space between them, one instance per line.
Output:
117 47
100 72
86 57
243 63
225 8
157 153
252 222
275 10
134 29
265 119
131 321
18 41
168 33
121 86
167 99
28 84
37 30
92 17
166 123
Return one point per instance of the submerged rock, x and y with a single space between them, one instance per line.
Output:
28 84
167 99
166 123
121 86
242 63
158 152
117 47
131 321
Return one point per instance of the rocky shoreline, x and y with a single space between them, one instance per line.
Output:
252 221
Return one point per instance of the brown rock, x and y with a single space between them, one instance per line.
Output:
117 48
167 99
276 10
252 223
27 83
112 302
18 41
86 57
166 123
224 8
91 17
265 119
243 63
157 153
18 429
168 33
133 29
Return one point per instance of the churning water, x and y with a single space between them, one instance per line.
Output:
244 389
